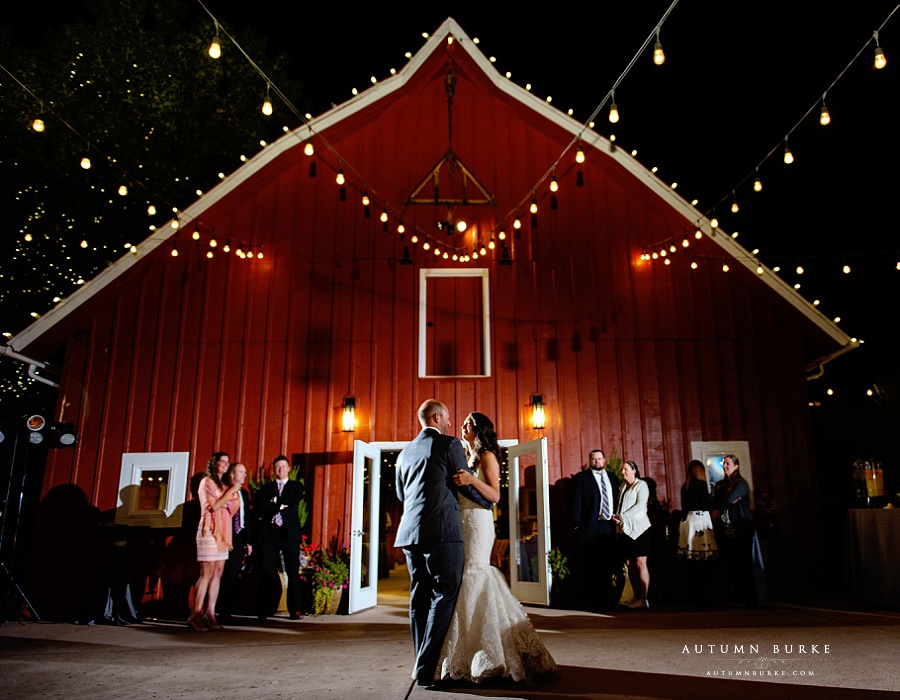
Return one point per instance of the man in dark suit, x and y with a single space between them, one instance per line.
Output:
594 500
240 542
279 532
430 532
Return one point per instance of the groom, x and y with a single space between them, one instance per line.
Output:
430 532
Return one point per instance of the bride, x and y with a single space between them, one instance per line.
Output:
490 635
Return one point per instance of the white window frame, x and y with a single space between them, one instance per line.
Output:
704 451
424 275
134 464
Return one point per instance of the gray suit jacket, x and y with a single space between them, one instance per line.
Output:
425 470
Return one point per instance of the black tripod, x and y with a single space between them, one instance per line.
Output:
15 463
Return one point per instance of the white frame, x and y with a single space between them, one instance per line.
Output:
424 274
703 451
134 464
364 597
537 592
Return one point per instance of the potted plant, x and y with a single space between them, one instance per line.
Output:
327 571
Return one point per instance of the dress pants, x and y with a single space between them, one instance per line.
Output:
269 582
435 575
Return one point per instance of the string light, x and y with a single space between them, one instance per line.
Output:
38 125
267 103
757 183
123 190
725 267
215 46
196 234
308 147
502 234
579 154
734 205
824 116
174 252
86 163
260 254
613 109
554 185
227 247
788 156
534 207
880 59
658 56
339 179
151 210
212 242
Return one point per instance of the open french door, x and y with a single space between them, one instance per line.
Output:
529 522
364 527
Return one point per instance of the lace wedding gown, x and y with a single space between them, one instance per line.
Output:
490 635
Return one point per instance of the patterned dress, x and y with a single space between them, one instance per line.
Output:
490 635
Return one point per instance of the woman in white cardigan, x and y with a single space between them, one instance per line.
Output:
634 525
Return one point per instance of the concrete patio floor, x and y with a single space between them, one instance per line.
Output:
665 652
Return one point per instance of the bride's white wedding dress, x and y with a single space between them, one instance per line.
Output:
490 635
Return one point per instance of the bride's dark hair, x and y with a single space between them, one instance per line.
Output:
485 437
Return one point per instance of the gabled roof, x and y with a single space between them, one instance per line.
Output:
379 92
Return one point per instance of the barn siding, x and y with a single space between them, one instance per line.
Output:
255 356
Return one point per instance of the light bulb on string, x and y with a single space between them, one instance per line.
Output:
824 116
215 46
461 226
260 253
579 154
846 269
757 183
227 247
788 156
212 242
734 205
482 250
339 178
613 109
502 234
534 207
28 237
401 228
659 57
86 163
308 147
196 234
554 185
517 223
151 210
84 243
384 216
714 222
209 254
725 267
685 243
38 124
123 190
174 252
491 243
880 58
694 264
267 104
175 222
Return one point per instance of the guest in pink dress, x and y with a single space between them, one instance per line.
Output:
218 504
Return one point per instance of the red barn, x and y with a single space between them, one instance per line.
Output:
208 351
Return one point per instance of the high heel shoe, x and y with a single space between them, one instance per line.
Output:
211 622
195 623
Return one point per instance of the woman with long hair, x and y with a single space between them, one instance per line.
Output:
634 524
490 635
218 504
736 528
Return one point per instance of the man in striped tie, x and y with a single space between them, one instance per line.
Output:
279 534
594 495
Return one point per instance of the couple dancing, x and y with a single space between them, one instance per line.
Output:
466 624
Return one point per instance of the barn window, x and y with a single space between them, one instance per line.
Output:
454 328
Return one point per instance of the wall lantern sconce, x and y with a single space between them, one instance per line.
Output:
348 415
537 411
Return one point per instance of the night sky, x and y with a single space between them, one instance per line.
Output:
738 77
